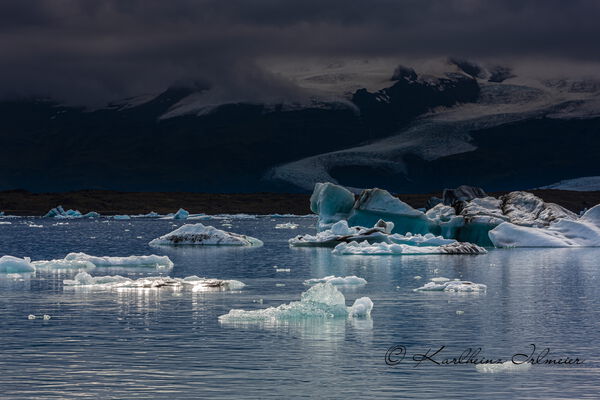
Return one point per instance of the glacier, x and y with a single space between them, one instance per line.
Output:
15 265
320 301
583 184
116 282
199 234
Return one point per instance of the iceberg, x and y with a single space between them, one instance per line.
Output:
194 283
153 261
59 212
469 218
199 234
337 281
121 217
383 249
452 286
331 202
181 214
340 232
320 301
564 232
15 265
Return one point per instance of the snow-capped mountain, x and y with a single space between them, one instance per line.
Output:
358 123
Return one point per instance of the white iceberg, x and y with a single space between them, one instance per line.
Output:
15 265
194 283
564 232
337 281
129 261
453 286
199 234
320 301
378 249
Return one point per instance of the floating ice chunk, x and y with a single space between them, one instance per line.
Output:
287 225
129 261
121 217
12 265
35 226
507 366
199 234
320 301
337 280
194 283
47 317
417 277
427 239
582 232
31 316
364 248
63 264
340 232
331 202
59 212
439 279
5 223
283 270
361 308
453 286
459 312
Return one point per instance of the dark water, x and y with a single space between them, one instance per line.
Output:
167 344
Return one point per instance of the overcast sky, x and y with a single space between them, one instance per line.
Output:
89 51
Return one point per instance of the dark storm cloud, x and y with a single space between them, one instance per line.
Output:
102 49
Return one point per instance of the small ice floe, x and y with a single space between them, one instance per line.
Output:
417 277
199 234
82 260
279 284
35 226
375 249
337 280
439 279
47 317
283 269
340 232
5 223
63 264
453 286
194 283
507 366
121 217
287 225
15 265
320 301
151 214
31 316
459 312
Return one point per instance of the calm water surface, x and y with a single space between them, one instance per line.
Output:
168 344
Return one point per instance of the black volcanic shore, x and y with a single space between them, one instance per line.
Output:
21 202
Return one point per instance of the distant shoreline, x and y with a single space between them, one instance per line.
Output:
105 202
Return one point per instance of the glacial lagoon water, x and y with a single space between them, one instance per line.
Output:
161 343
